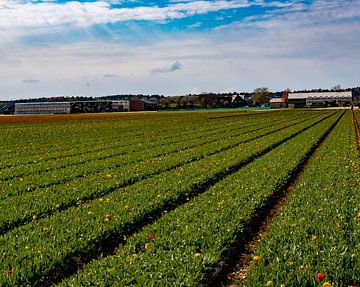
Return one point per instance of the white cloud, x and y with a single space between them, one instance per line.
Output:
195 25
16 14
30 81
299 46
320 30
109 76
172 67
26 18
296 59
21 18
299 14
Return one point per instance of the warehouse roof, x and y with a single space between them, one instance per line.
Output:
294 96
43 103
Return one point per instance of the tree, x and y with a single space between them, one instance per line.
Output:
164 102
285 94
208 100
336 88
260 96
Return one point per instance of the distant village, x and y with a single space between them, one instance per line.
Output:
260 97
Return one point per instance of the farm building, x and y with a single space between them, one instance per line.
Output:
7 107
137 104
42 108
278 103
121 106
320 99
72 107
91 107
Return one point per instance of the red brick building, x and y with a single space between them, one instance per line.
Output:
137 104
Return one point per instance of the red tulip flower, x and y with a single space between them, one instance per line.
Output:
82 201
8 272
150 237
320 277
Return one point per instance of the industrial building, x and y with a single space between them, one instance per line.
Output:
42 108
98 106
320 99
137 104
91 107
121 106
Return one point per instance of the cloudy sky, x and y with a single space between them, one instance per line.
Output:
175 47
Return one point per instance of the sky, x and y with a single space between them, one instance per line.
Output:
175 47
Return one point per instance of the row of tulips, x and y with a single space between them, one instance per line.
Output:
66 141
21 206
315 239
46 244
182 247
163 143
29 143
99 143
99 163
356 123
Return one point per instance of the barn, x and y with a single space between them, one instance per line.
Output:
137 104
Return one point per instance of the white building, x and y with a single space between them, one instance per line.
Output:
121 105
42 108
319 99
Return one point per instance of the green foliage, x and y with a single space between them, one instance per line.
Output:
188 241
260 96
318 229
69 186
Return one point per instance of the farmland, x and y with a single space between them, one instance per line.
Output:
174 199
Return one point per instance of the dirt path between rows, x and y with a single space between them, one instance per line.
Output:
356 128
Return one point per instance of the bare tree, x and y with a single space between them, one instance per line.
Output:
260 96
336 88
285 94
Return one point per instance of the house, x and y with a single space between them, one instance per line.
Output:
278 103
238 100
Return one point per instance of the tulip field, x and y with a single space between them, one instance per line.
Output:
167 199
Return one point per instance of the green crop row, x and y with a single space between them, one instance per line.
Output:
83 138
102 142
106 151
38 248
184 245
315 241
114 150
80 135
70 172
29 138
356 123
22 207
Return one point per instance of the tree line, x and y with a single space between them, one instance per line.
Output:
259 97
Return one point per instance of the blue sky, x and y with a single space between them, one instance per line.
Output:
175 47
